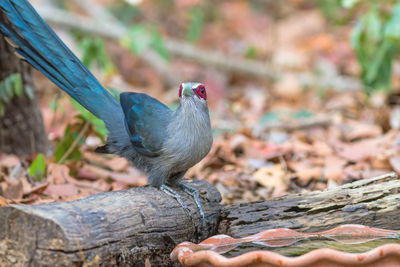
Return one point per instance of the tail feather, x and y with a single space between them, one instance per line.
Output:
44 50
31 27
35 59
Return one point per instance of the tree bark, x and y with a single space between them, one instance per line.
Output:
122 228
126 228
22 130
372 202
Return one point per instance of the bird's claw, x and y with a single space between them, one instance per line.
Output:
171 192
191 191
195 194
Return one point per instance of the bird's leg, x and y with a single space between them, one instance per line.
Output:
177 179
195 194
171 192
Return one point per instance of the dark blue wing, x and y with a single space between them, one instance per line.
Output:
146 121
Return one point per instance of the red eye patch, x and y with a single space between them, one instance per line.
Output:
180 90
201 92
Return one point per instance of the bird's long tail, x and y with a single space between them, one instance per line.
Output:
42 48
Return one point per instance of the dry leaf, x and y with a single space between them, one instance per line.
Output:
290 58
147 263
356 130
333 169
357 151
14 189
395 118
308 174
289 88
272 176
9 161
4 201
86 174
321 148
98 172
380 162
118 164
57 173
113 163
133 177
61 190
395 163
38 189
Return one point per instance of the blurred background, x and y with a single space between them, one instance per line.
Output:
303 94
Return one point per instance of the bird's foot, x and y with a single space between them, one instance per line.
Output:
195 194
171 192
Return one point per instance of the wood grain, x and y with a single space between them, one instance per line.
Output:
122 228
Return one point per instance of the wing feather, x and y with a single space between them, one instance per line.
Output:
146 122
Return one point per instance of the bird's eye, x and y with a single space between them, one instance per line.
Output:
201 92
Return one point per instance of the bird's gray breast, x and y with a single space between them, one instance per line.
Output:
189 136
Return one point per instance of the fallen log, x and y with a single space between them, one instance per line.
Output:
372 202
126 228
122 228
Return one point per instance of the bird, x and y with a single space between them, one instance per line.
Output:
161 142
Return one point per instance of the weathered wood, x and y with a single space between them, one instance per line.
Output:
373 202
122 228
126 227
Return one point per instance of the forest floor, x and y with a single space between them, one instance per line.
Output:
271 137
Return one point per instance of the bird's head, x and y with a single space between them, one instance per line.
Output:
196 91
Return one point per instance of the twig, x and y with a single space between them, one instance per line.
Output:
97 11
374 180
75 142
325 121
117 31
242 66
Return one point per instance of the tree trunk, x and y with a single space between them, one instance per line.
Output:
21 127
122 228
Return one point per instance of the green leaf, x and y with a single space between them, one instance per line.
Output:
356 34
53 105
3 94
63 146
392 27
373 25
125 12
349 3
2 109
140 39
381 62
332 9
159 46
94 51
8 87
29 92
87 52
137 40
37 170
196 24
97 124
18 85
302 114
251 52
269 117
